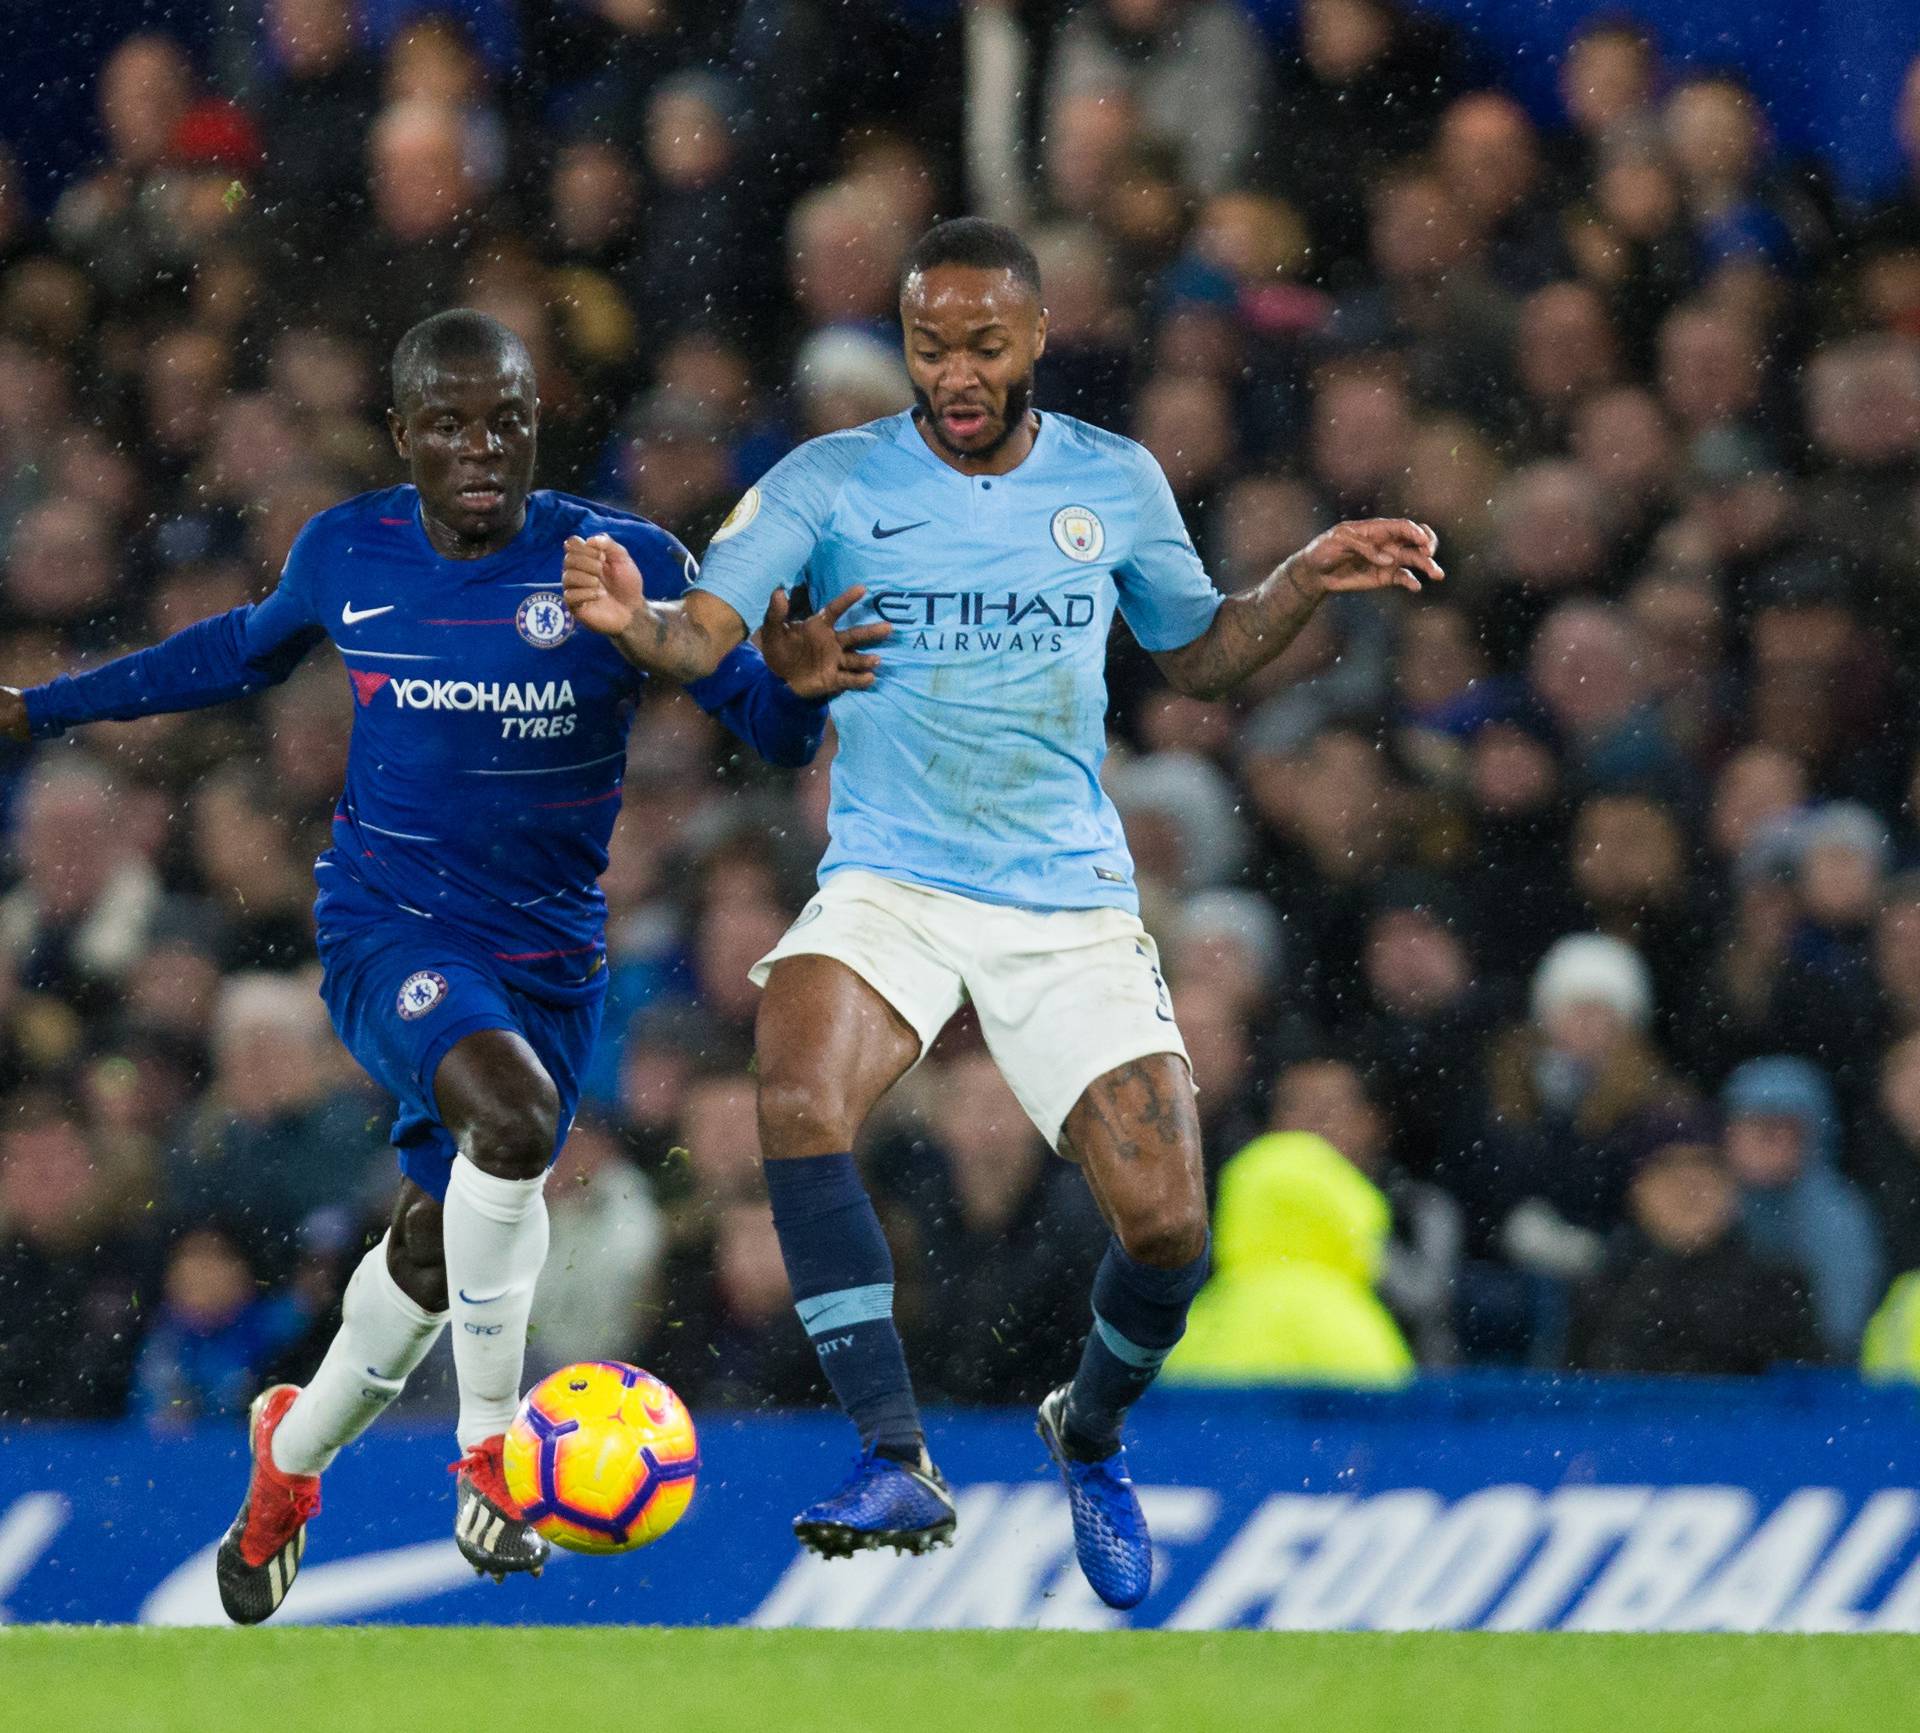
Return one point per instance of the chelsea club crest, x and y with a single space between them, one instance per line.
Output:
543 620
1078 533
420 992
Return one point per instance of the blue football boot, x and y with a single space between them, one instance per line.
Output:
881 1503
1109 1527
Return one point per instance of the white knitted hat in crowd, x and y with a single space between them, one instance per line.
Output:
1592 969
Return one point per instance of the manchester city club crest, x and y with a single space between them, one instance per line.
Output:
543 620
420 992
1078 533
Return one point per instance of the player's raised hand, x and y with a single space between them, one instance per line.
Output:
816 656
1367 554
601 584
13 714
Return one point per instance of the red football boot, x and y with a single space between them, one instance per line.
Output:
489 1526
261 1554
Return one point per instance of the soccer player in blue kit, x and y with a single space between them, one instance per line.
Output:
973 853
459 918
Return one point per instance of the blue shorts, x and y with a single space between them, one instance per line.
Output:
402 990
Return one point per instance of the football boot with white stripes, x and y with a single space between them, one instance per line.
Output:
489 1527
261 1553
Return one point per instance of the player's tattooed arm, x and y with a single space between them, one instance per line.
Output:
1249 630
684 640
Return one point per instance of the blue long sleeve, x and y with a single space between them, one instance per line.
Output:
760 707
214 660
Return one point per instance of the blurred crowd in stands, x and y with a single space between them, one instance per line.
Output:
1548 947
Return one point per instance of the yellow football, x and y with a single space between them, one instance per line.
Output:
602 1457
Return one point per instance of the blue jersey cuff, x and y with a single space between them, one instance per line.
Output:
47 716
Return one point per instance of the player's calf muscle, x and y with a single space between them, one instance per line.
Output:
416 1251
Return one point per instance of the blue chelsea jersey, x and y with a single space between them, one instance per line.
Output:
489 729
973 762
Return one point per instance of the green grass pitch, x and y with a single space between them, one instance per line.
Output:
403 1680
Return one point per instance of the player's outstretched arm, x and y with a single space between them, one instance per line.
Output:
1249 630
230 655
682 640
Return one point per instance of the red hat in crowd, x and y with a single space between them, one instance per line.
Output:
215 134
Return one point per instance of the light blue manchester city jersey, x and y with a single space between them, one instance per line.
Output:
973 762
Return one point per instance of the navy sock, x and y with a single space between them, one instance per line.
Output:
1139 1313
842 1278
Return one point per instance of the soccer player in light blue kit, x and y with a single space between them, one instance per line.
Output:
973 853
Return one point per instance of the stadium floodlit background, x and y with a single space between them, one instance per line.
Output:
1577 905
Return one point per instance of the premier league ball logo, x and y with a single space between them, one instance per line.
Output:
543 620
742 514
420 992
1078 533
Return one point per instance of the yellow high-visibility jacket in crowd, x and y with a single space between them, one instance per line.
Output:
1298 1238
1891 1347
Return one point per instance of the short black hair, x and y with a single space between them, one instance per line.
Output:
460 336
976 242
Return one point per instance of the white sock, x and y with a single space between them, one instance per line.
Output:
382 1337
496 1238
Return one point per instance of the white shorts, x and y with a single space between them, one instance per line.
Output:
1063 996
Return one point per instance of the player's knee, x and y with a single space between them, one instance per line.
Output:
511 1135
1166 1235
802 1116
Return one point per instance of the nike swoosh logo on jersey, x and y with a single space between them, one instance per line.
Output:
881 535
488 1300
349 616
